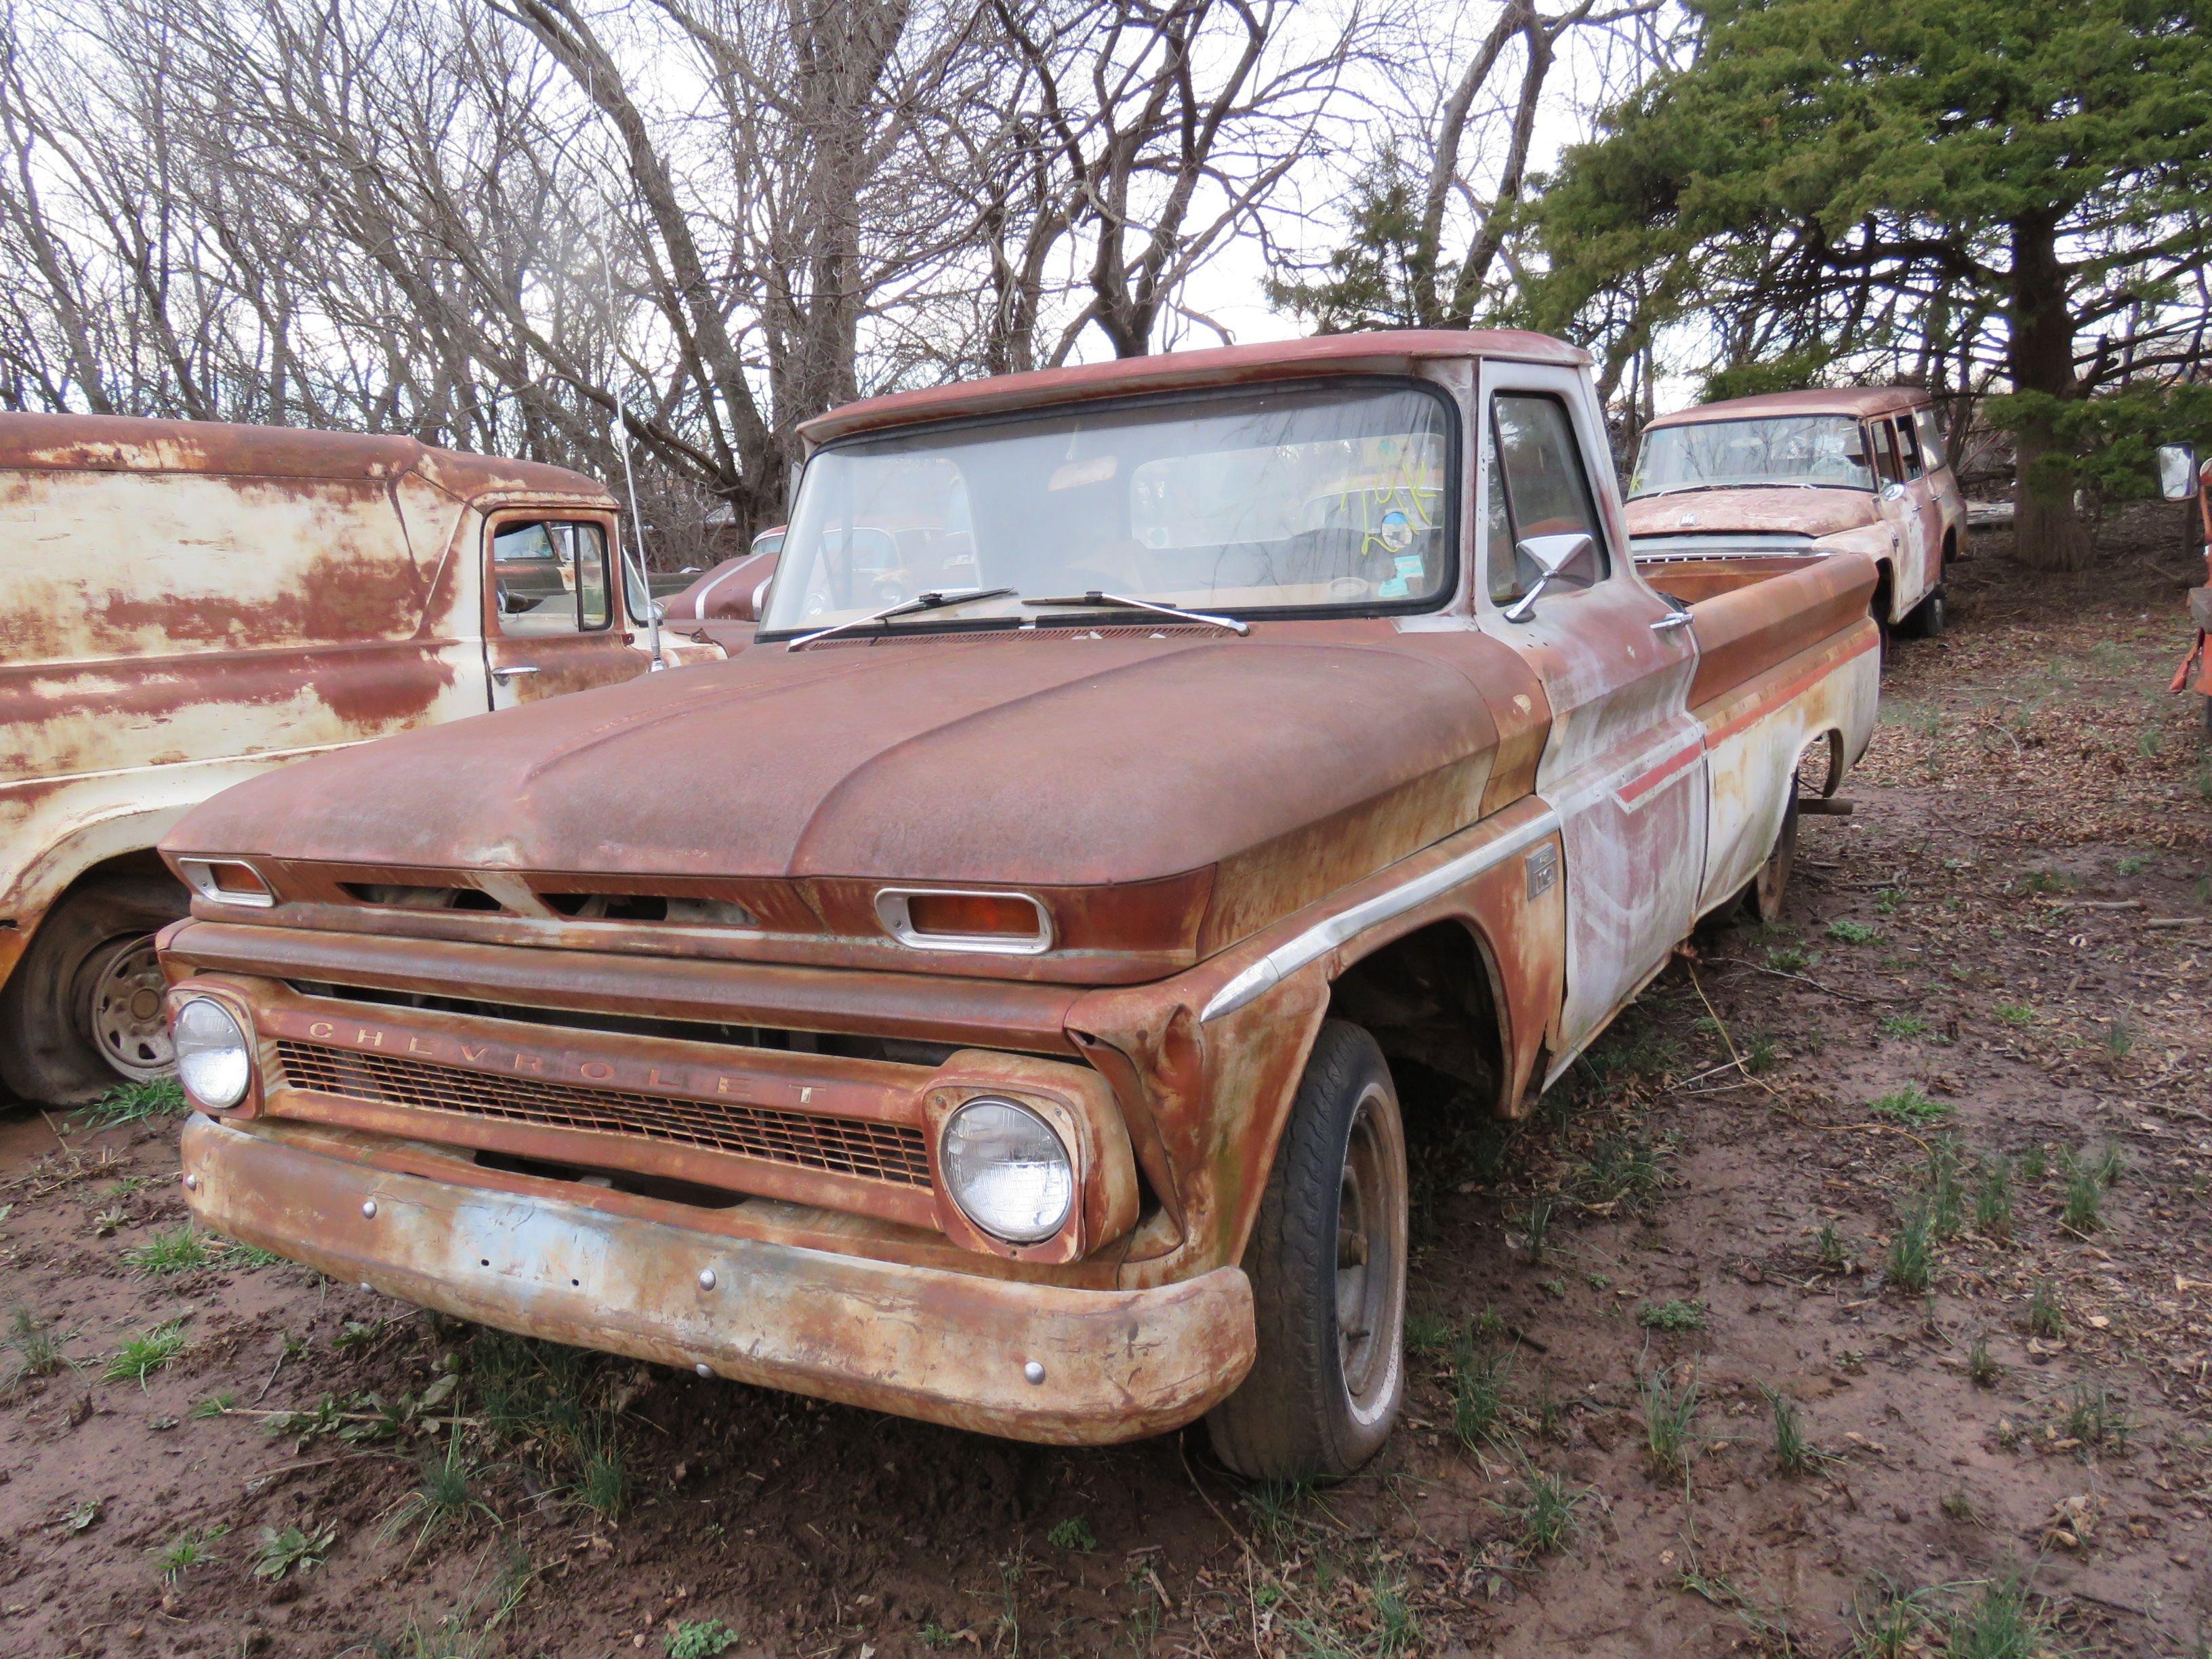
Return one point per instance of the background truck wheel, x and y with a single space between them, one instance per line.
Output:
1927 619
1327 1264
83 1011
1764 897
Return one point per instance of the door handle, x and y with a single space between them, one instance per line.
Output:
514 672
1672 619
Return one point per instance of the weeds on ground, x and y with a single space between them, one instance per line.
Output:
178 1251
1546 1512
1982 1368
1793 1453
38 1350
133 1103
1788 959
2045 1317
1828 1249
1673 1317
701 1638
1901 1025
1478 1393
1947 1201
2095 1419
1911 1107
2035 1163
1912 1254
1993 1203
2013 1013
1846 932
1275 1506
140 1356
1619 1170
293 1549
192 1547
1536 1226
1397 1630
1997 1623
445 1495
602 1476
2119 1037
236 1255
1893 1627
1427 1333
1073 1534
1670 1413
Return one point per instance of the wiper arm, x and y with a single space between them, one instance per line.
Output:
1095 600
935 599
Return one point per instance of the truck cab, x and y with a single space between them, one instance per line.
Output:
189 604
1005 1023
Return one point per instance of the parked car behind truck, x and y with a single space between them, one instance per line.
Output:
186 604
1005 1023
1798 473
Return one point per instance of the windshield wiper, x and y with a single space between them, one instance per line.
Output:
935 599
1095 600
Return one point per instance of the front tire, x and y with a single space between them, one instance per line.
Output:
83 1011
1327 1264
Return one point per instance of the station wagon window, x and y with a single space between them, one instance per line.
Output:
550 576
1310 497
1537 488
1931 436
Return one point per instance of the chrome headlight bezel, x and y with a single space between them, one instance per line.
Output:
961 1158
221 1055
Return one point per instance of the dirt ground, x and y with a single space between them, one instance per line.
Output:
1974 1050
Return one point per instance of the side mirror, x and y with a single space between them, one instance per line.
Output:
1554 557
2177 472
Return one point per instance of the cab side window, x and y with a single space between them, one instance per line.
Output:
1883 436
551 576
1537 488
1931 436
1909 444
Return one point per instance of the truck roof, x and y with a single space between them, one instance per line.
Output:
1859 401
1377 352
115 443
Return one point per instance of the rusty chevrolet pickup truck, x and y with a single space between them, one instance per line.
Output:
991 1004
2180 479
1796 475
189 605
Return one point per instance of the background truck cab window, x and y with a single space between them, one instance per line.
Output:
551 577
1537 488
1909 443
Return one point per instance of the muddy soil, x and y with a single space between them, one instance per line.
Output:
1974 1050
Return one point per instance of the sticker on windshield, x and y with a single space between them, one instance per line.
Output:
1392 589
1396 531
1409 565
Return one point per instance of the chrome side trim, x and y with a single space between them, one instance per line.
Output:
892 911
1323 937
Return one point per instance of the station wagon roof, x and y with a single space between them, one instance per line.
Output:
1378 351
1861 401
114 443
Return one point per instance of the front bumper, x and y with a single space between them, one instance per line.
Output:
946 1347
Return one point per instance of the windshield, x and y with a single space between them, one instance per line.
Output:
1795 449
1305 498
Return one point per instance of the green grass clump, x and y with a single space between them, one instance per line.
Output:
178 1251
1670 1416
1793 1453
1911 1107
2014 1013
1993 1202
701 1638
1912 1254
1073 1534
444 1495
139 1357
2094 1417
2084 1196
1478 1394
1672 1316
1397 1628
1997 1623
1828 1248
1982 1368
1547 1513
602 1476
1427 1333
1947 1201
192 1547
293 1549
134 1102
1901 1025
2045 1317
1852 932
38 1350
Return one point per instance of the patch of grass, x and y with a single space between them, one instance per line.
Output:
1672 1316
1478 1394
444 1496
1619 1169
2135 863
1997 1623
701 1638
2120 1036
2035 1163
1893 1627
2084 1196
2094 1417
1536 1226
1073 1534
1788 958
216 1404
192 1547
2110 1166
1829 1249
2049 881
1427 1333
1911 1107
293 1549
1670 1415
38 1350
1793 1453
1397 1629
1912 1254
140 1356
1947 1201
1275 1506
133 1103
236 1255
1982 1368
1901 1025
178 1251
2014 1013
2045 1317
1845 931
602 1478
1546 1513
1993 1202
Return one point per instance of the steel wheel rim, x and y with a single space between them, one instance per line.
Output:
1370 1281
122 1001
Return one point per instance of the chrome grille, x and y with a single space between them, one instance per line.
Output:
893 1152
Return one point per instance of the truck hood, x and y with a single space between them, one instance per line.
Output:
1056 758
1808 512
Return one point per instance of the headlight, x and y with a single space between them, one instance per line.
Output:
214 1060
1007 1170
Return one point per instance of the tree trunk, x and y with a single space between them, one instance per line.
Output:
2047 532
